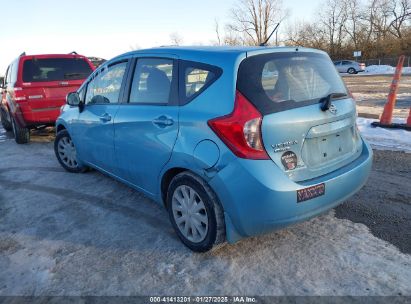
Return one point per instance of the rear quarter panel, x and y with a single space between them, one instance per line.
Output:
215 101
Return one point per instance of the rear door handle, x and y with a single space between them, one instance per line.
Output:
105 117
163 121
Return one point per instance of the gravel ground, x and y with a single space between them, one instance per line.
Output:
86 234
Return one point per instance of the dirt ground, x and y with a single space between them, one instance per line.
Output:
371 93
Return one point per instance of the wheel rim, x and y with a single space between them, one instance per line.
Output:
67 152
190 214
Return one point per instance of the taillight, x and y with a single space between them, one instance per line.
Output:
19 94
241 130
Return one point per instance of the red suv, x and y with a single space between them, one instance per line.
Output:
35 87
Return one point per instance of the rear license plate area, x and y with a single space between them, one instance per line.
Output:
310 193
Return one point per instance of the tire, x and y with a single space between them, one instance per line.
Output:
21 135
5 123
66 153
206 226
351 71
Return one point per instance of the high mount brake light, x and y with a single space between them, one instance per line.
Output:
241 130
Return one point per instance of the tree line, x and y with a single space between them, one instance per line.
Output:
377 28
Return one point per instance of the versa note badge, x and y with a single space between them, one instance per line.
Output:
284 146
333 109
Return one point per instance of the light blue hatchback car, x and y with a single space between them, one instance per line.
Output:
233 141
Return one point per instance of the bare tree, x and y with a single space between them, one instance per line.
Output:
306 34
353 25
401 12
176 38
333 16
135 47
381 12
254 20
217 31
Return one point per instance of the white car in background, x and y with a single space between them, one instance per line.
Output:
349 66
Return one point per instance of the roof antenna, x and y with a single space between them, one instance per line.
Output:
266 41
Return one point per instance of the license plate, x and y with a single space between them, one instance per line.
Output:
310 193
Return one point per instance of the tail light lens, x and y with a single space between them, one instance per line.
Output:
19 94
241 130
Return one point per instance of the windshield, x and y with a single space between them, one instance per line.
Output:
281 81
55 69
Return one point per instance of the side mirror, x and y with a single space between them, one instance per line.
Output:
73 99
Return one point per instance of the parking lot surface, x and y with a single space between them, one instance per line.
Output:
371 93
86 234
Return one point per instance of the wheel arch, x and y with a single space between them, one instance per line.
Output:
166 180
60 127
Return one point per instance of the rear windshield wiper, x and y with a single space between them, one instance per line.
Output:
326 101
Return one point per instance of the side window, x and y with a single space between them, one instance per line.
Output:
13 72
9 72
82 92
152 81
105 87
196 77
5 80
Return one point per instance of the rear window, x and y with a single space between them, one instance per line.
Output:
55 69
280 81
196 77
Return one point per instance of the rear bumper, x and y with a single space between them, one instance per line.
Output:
260 198
28 117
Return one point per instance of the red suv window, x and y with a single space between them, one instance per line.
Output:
55 69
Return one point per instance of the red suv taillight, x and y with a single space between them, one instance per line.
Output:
19 94
241 130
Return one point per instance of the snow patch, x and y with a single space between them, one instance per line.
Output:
385 139
384 69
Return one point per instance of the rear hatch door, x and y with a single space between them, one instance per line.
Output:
288 89
47 81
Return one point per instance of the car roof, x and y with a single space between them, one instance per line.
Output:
213 53
218 49
53 56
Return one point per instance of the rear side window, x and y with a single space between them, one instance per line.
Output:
152 81
55 69
281 81
195 78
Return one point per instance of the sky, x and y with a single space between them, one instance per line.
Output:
109 28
